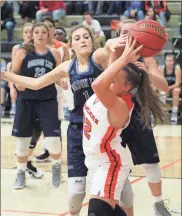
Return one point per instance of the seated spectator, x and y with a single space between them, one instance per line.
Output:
134 10
4 86
28 10
172 73
151 14
76 7
95 27
115 7
56 9
160 8
7 19
95 7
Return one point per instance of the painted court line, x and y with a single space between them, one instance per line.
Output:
85 204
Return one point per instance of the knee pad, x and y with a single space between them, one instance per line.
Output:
126 199
35 138
53 144
153 172
98 207
118 211
76 193
22 146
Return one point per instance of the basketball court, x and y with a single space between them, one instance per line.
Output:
39 198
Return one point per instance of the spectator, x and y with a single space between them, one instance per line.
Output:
115 7
7 19
160 8
4 86
56 9
151 14
28 10
95 27
134 10
95 7
172 73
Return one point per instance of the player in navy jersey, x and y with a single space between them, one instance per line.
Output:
83 69
172 74
27 37
36 60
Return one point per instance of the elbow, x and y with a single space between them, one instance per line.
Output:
36 85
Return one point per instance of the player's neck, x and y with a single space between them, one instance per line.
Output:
82 60
40 49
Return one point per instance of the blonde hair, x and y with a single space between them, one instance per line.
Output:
124 21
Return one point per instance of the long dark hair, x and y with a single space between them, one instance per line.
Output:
30 47
146 97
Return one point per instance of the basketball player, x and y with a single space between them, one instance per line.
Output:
140 139
104 120
83 69
36 60
172 74
27 37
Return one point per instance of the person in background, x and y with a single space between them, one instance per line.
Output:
134 10
151 14
96 29
172 73
95 7
4 86
56 9
61 35
7 19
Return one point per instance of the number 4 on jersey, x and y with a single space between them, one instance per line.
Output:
87 128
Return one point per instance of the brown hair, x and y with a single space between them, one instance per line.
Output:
30 47
146 97
73 29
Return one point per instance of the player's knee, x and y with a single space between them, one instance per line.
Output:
53 144
76 193
98 207
22 147
126 199
153 172
176 91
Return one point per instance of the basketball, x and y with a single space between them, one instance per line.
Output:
150 34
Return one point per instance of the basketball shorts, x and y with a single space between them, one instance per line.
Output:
29 111
140 140
76 157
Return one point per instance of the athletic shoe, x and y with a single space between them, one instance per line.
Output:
20 180
160 209
33 171
174 117
56 175
43 157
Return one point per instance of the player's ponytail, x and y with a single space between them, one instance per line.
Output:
145 95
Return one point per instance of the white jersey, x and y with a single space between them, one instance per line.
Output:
107 161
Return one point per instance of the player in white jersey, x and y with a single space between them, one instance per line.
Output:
106 114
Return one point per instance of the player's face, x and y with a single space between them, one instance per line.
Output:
82 42
120 86
51 28
27 34
169 61
40 35
126 28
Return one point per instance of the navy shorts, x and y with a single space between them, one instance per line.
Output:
76 157
29 111
140 140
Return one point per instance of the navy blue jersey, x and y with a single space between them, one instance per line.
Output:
36 65
81 87
170 78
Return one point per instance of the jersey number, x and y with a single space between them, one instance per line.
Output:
85 93
87 128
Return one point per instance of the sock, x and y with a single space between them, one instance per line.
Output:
55 161
13 106
175 109
157 198
21 166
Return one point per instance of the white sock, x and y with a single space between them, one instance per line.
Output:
175 109
55 161
157 198
21 166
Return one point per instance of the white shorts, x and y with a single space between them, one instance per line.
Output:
110 176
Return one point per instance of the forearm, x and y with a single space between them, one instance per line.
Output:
176 85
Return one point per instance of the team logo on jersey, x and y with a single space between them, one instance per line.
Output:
39 71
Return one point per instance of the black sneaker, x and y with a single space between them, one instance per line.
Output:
33 171
43 157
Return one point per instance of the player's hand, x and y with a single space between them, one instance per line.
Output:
20 88
13 93
64 83
116 43
141 65
131 54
